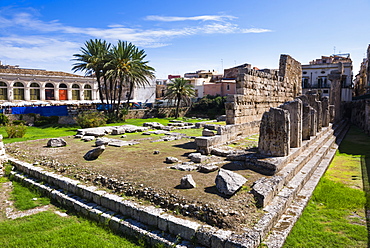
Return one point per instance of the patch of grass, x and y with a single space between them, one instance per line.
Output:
335 216
47 229
25 199
34 133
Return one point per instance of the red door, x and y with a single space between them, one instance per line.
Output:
63 95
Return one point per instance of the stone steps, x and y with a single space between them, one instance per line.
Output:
295 196
91 210
266 188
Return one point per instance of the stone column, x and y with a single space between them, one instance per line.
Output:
306 121
274 137
335 92
313 128
314 103
27 95
325 112
295 114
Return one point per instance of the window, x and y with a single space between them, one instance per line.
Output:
34 91
87 92
228 87
62 86
3 91
75 92
18 91
305 82
49 85
304 72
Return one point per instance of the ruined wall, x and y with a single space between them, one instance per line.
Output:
257 91
360 114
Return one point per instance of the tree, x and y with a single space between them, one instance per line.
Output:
116 69
127 68
92 60
179 89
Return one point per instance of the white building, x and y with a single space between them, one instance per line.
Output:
315 76
18 84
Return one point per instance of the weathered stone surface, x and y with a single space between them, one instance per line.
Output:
258 90
325 112
206 168
306 121
264 189
101 141
88 138
314 103
295 114
207 133
56 142
187 182
119 143
94 153
171 160
228 182
155 125
274 137
198 157
186 166
313 127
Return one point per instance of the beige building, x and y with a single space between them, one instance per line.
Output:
17 84
362 80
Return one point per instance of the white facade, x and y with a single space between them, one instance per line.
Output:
315 76
38 87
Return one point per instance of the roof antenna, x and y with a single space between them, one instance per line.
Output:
334 49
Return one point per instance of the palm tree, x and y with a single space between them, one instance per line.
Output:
92 60
179 89
127 68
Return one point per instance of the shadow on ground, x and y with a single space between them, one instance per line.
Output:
358 143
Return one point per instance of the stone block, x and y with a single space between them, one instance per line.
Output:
274 137
306 122
295 113
184 228
313 127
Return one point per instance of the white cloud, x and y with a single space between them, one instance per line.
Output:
193 18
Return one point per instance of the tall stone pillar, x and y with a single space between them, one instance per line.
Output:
314 103
306 121
295 114
325 112
335 91
274 137
313 128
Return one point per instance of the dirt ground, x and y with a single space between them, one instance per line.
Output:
140 166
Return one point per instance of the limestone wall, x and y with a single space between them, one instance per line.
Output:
257 91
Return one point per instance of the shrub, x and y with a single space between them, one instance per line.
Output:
3 119
18 122
16 131
45 120
211 106
91 119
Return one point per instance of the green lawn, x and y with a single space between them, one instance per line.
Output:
335 215
34 133
47 229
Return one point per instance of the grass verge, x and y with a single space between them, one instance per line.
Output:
336 214
47 229
25 198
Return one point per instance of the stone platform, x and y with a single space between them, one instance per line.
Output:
289 190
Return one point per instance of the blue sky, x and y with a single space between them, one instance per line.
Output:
184 36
